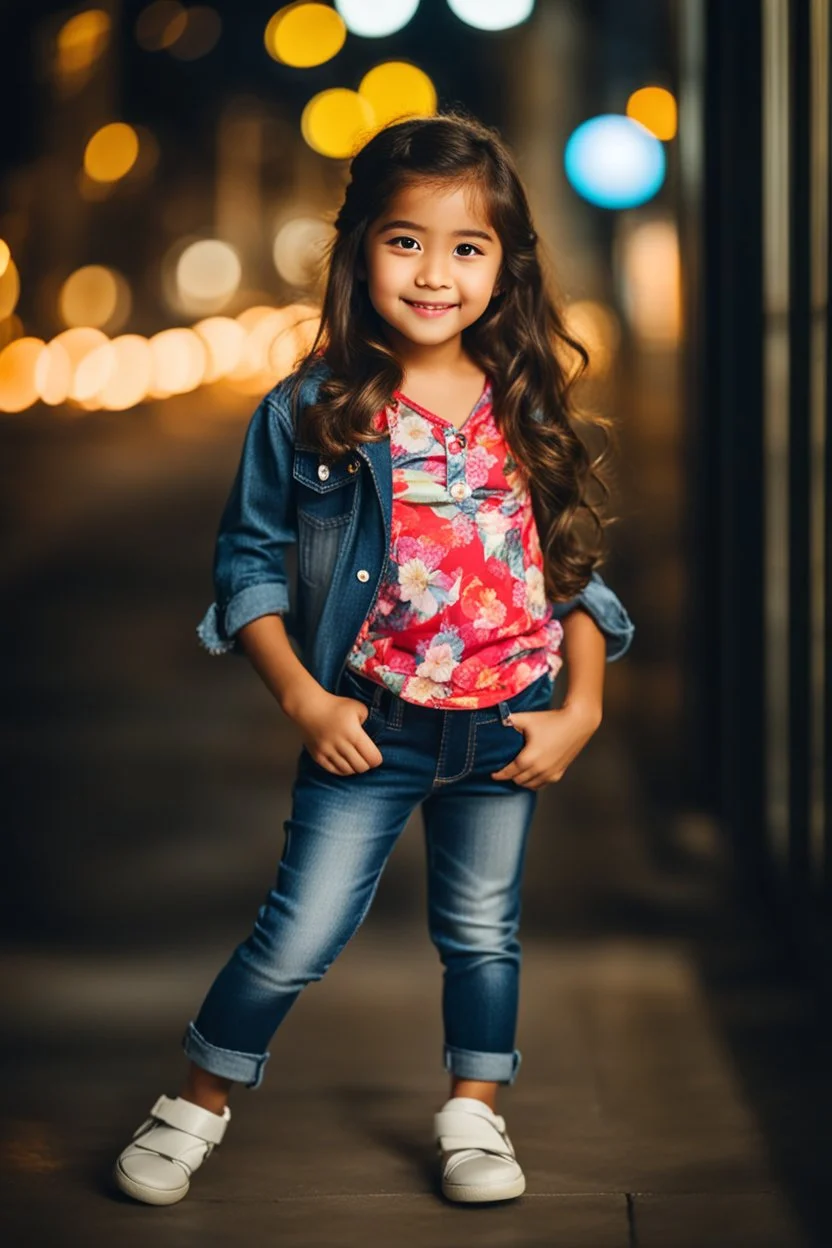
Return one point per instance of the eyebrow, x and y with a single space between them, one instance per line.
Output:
411 225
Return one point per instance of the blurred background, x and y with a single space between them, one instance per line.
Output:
170 173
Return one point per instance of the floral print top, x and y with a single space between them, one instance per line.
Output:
461 620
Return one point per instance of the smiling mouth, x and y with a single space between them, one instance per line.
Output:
436 306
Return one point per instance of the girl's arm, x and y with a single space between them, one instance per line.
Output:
266 643
586 657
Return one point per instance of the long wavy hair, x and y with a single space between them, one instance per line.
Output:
520 342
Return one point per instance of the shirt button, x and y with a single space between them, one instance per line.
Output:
454 446
363 574
323 472
459 490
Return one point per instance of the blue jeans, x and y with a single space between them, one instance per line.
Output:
340 834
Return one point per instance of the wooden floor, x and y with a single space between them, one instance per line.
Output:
675 1088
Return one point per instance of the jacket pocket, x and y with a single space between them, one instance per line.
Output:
319 541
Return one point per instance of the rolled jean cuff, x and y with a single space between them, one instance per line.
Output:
244 1068
491 1067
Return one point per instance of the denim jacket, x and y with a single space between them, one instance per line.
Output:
338 516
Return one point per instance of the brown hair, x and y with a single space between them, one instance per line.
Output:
520 342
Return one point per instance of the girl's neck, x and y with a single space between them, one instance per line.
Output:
445 360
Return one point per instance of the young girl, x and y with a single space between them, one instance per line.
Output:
422 457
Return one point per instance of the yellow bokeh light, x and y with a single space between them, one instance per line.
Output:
93 373
305 34
111 152
18 364
208 273
81 41
5 256
53 375
655 108
300 249
160 25
131 379
398 89
597 327
95 295
9 289
78 344
179 359
294 342
337 122
652 281
224 339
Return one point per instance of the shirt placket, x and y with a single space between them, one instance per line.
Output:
456 443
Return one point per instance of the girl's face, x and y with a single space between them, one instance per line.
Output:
430 246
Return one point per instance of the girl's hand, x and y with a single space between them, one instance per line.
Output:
331 729
553 739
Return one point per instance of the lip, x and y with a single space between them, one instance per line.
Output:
431 310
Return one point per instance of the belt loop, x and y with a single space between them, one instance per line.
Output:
505 714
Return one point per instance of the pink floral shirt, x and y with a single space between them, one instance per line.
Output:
461 620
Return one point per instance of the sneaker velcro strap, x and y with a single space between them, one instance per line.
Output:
191 1118
458 1129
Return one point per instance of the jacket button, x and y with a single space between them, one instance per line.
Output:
363 574
323 472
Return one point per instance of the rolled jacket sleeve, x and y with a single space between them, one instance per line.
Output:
608 613
258 522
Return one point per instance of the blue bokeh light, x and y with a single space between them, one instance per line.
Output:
614 162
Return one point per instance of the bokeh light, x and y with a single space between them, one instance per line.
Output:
337 122
299 249
53 375
78 343
130 380
597 327
614 162
656 109
373 20
200 35
160 25
398 89
492 14
5 256
81 41
208 273
293 341
18 364
111 152
9 289
305 34
179 360
97 296
652 281
224 340
92 374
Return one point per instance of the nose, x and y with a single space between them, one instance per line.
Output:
433 271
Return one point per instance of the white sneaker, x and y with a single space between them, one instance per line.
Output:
157 1165
478 1161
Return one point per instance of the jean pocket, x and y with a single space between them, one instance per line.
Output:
535 697
361 689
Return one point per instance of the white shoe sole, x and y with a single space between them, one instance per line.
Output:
470 1192
148 1195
